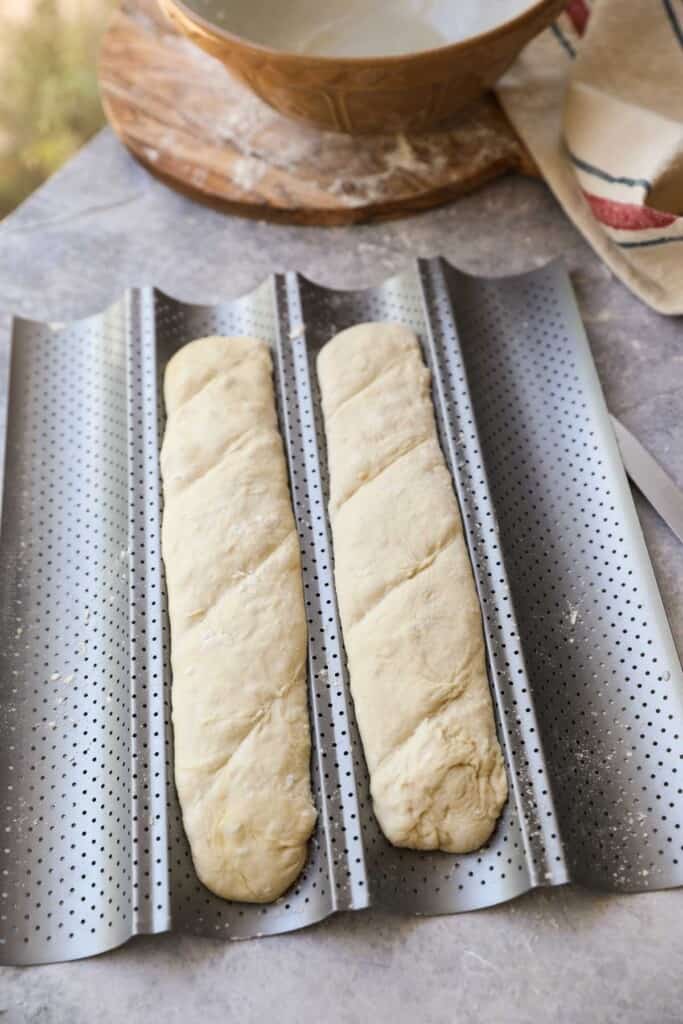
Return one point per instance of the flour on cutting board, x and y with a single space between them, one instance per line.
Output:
330 163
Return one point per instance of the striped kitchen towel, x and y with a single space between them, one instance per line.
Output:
598 100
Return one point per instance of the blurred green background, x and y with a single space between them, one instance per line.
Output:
49 104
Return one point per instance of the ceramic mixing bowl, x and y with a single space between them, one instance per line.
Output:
364 65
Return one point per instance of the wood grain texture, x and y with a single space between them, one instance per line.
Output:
183 116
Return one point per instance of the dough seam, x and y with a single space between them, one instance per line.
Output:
206 383
422 566
396 456
257 720
441 705
234 445
199 617
386 370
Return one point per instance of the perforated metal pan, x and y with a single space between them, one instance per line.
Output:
587 683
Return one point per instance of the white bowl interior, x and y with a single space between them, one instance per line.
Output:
358 28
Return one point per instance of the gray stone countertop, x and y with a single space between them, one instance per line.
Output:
103 223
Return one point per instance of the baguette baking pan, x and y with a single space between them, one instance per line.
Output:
588 686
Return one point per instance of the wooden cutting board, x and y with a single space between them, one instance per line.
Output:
180 112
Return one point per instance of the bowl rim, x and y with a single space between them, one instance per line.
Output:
327 61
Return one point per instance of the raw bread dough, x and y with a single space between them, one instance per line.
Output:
409 609
238 628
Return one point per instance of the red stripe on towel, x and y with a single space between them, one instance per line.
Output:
627 216
578 13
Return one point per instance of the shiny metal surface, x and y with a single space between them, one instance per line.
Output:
588 687
650 479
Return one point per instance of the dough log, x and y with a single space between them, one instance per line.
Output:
409 609
238 627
